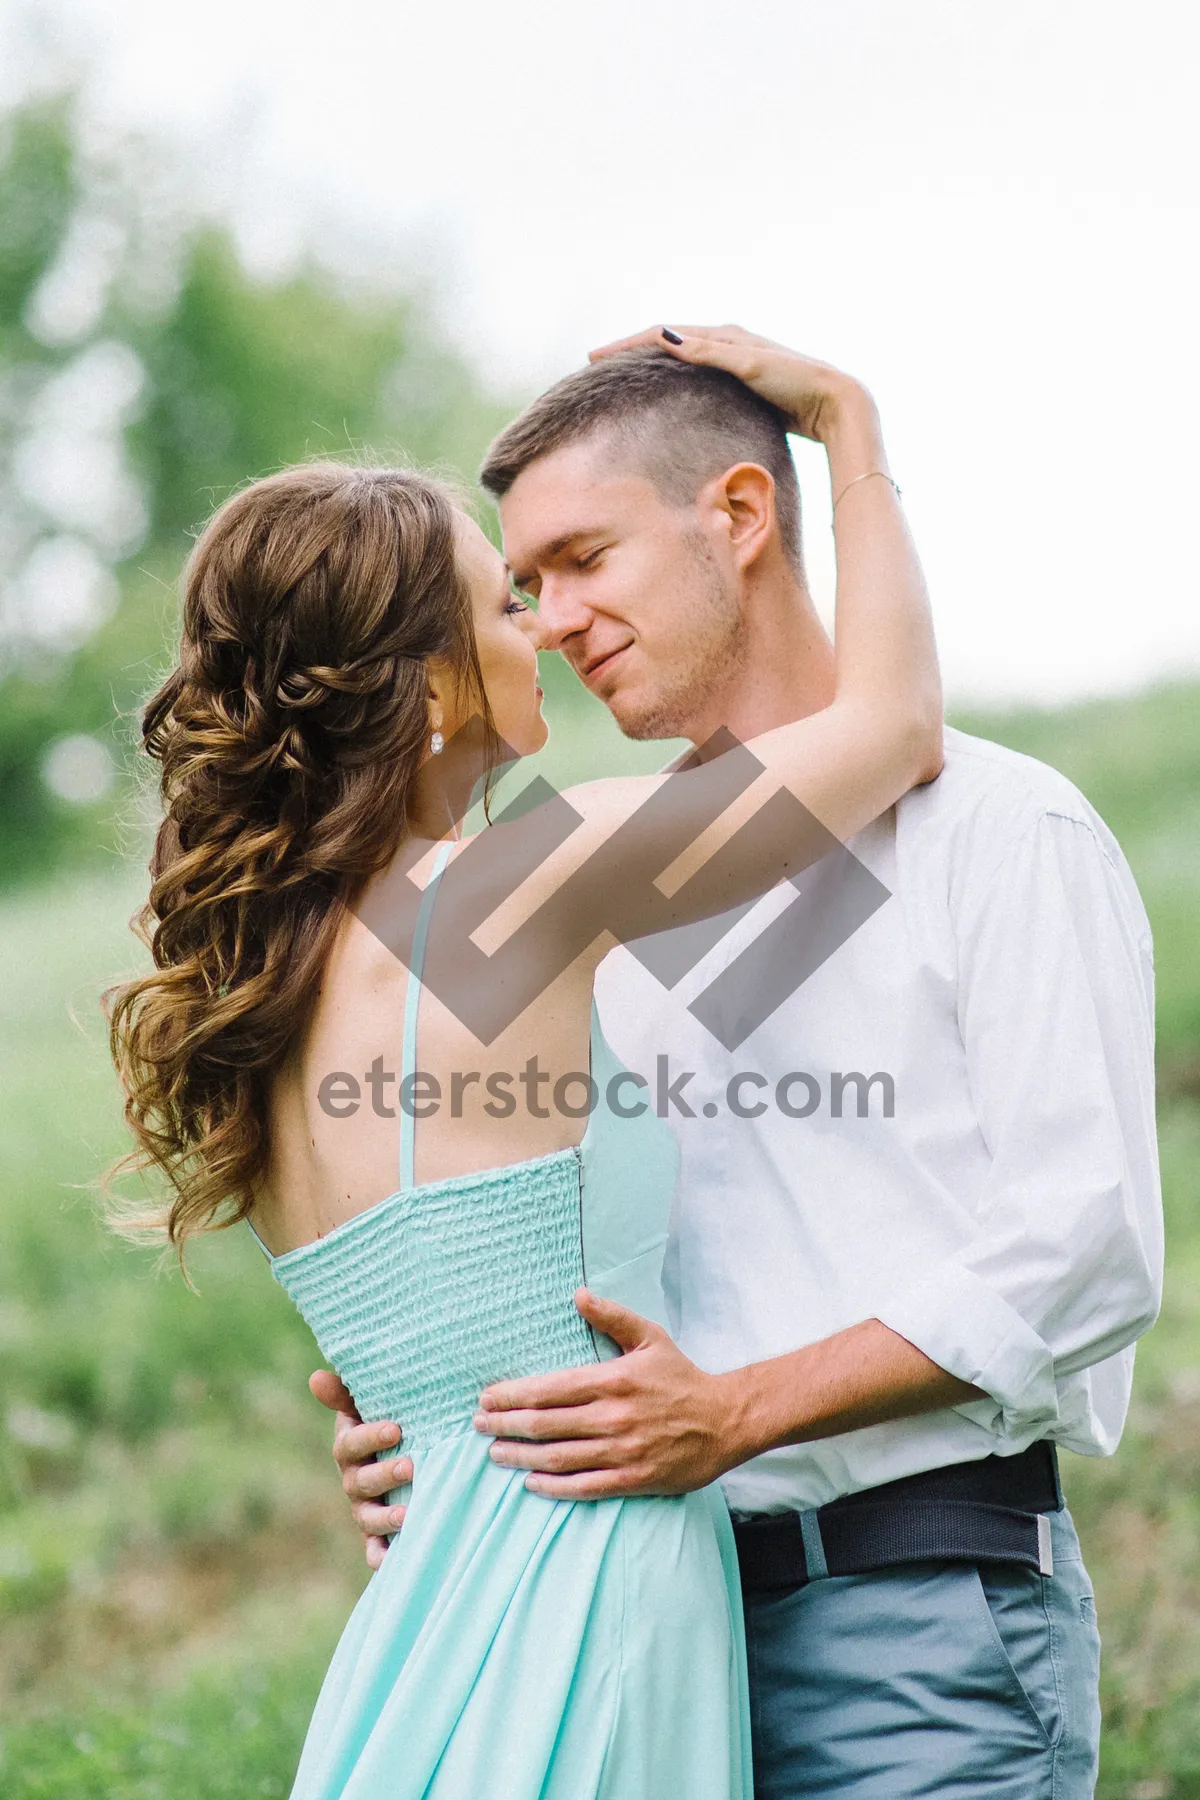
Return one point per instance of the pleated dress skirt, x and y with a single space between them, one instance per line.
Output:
511 1647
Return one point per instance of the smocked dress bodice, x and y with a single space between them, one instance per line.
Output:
425 1299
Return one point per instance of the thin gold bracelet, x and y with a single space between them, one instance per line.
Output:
865 477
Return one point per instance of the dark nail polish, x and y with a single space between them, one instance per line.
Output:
672 337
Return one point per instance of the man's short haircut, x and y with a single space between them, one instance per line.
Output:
681 423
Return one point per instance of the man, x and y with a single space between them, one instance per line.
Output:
918 1227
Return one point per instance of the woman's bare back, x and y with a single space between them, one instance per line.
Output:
334 1107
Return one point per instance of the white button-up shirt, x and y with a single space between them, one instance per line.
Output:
998 1205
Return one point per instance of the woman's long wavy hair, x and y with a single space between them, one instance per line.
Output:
289 738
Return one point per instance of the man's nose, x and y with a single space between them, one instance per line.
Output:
560 615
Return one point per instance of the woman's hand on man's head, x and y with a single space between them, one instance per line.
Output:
814 395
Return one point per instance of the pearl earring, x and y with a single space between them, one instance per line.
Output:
437 744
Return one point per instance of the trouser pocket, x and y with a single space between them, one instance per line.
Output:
1015 1612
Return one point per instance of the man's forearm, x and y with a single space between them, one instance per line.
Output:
861 1376
652 1422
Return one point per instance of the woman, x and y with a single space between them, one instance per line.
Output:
351 659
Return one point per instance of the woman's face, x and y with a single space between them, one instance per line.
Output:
507 638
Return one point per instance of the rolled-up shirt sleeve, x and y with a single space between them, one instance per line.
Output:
1056 1009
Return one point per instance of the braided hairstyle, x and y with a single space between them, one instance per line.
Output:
289 738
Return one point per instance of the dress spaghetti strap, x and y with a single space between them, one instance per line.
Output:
408 1048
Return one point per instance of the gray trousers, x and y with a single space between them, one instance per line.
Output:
938 1679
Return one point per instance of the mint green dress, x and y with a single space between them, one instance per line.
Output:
513 1647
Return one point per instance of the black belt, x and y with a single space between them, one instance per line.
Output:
993 1510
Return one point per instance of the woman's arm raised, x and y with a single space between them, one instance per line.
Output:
880 735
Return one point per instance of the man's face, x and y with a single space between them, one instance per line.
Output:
635 592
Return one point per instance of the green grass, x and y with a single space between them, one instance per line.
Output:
166 1498
227 1736
175 1563
1138 1515
1138 762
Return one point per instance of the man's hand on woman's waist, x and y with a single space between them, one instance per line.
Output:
650 1421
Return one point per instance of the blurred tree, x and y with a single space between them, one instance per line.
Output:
35 206
143 376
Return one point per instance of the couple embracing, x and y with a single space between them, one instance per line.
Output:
704 1428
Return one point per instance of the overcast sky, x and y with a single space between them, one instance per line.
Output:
987 213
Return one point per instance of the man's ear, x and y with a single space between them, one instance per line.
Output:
744 502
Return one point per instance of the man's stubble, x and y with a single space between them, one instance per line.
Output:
711 653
